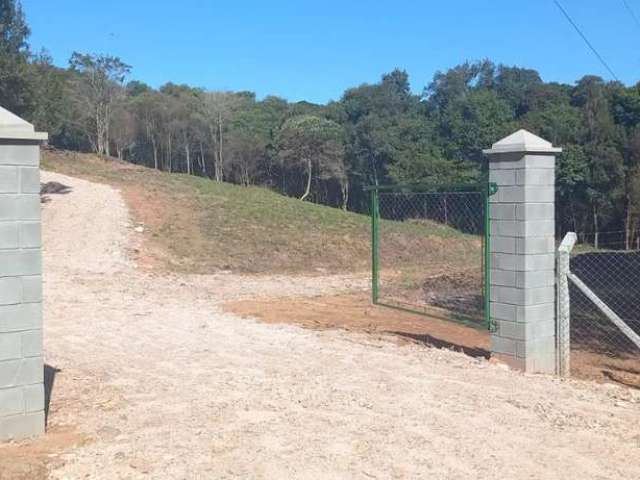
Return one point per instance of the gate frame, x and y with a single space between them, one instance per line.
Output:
486 188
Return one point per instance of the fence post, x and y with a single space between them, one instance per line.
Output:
564 317
522 286
21 361
375 246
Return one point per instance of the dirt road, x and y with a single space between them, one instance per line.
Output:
159 382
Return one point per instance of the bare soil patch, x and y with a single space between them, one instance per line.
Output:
33 460
355 312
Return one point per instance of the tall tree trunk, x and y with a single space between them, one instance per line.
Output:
308 189
154 145
595 227
446 210
345 193
627 225
203 164
217 170
99 131
107 121
187 152
220 150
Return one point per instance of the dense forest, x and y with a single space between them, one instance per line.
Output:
375 133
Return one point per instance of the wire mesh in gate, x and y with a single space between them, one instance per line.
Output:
612 273
429 251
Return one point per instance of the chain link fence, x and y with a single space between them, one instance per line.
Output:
605 316
428 251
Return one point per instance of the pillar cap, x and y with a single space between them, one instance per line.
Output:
13 127
522 142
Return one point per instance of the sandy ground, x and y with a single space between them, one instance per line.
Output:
157 381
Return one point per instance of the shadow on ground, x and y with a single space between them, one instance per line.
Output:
52 188
49 380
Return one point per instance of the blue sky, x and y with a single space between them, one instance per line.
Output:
314 50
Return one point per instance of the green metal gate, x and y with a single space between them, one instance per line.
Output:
430 250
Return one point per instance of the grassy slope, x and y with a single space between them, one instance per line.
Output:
197 225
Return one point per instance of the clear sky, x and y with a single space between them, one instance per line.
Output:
314 50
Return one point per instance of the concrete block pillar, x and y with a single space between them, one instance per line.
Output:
21 361
522 287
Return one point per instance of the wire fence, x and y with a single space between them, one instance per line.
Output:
612 272
428 254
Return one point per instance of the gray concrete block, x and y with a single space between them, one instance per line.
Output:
9 180
502 244
503 311
8 235
32 289
522 296
540 347
512 330
15 263
521 262
540 295
10 346
520 194
19 427
502 211
504 228
10 290
28 155
525 330
29 180
533 314
33 398
536 176
503 345
26 371
509 295
25 316
31 371
537 278
535 245
535 211
503 177
519 161
518 228
30 234
504 261
537 262
11 401
541 363
503 278
8 207
31 343
27 207
536 228
9 372
540 328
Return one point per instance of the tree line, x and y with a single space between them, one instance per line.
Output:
375 133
